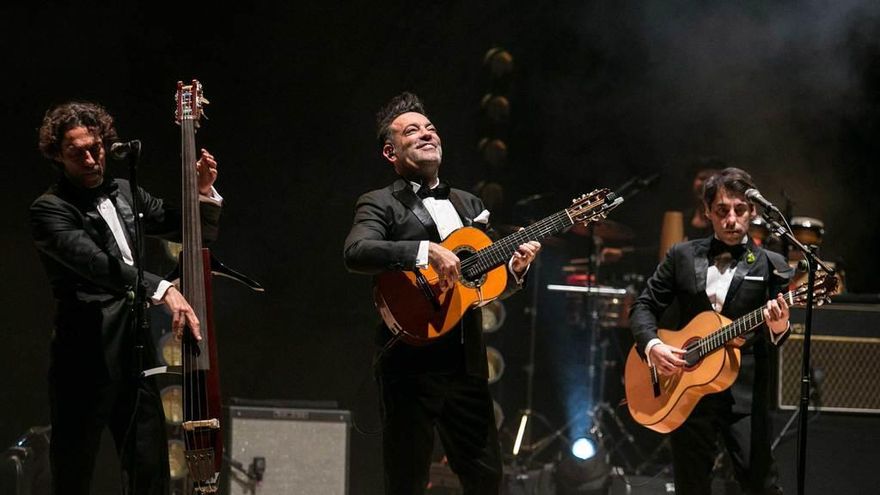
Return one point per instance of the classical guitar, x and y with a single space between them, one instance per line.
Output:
419 312
201 384
663 403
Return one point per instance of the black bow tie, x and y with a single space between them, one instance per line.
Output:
439 192
718 248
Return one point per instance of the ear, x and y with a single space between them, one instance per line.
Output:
388 153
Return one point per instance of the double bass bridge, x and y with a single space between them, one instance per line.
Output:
202 424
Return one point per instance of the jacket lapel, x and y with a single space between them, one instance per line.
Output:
404 193
743 268
701 265
460 208
122 202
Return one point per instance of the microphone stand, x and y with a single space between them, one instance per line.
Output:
635 185
137 297
812 263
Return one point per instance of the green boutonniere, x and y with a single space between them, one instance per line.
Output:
750 257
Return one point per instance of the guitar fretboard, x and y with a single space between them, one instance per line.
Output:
740 326
500 251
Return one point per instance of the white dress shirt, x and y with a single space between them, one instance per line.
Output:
108 212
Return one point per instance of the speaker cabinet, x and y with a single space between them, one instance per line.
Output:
844 357
303 451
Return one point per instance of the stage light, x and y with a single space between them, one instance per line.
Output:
494 315
577 475
172 404
494 151
496 107
492 194
523 421
499 414
169 348
177 459
583 448
499 62
496 364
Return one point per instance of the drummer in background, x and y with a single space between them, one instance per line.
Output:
698 225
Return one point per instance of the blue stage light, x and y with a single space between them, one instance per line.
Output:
583 448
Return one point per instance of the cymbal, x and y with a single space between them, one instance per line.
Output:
607 230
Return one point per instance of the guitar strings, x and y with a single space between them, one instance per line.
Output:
494 253
735 329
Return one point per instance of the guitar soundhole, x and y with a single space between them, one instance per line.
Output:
468 279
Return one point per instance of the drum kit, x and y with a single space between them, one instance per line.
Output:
807 230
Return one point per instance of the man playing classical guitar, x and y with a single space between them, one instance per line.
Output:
726 273
442 384
83 228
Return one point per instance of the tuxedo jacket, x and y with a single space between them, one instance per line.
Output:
90 281
679 284
389 224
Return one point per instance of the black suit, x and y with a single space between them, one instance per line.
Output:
91 376
442 384
740 413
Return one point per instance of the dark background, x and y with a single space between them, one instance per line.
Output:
602 91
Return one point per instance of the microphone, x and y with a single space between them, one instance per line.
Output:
120 151
647 181
755 196
533 198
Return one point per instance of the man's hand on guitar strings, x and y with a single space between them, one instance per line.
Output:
776 315
524 255
667 359
445 263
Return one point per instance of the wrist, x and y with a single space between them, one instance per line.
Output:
779 328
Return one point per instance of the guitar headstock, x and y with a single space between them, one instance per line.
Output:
190 102
823 287
593 206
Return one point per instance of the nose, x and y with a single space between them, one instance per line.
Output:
730 218
89 160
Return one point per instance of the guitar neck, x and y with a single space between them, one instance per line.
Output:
499 252
737 328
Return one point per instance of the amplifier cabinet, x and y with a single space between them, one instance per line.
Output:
844 357
304 451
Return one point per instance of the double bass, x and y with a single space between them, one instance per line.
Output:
201 384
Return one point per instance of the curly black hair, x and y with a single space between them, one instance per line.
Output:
66 116
400 104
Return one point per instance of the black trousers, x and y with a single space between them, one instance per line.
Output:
459 406
746 437
81 408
